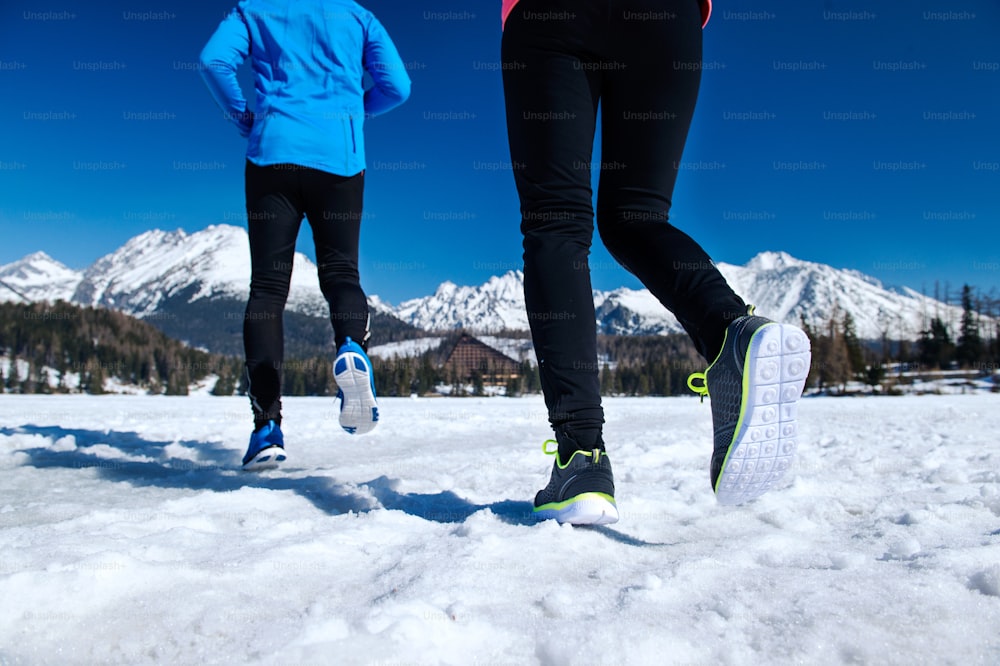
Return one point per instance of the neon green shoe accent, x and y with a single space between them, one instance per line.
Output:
702 389
743 411
559 506
595 454
703 376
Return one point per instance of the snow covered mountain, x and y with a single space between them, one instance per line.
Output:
37 277
158 265
782 288
785 288
492 307
160 271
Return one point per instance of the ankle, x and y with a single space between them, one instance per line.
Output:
571 440
260 423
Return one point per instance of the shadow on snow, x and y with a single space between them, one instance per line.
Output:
446 506
213 469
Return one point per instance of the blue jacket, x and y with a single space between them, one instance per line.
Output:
320 67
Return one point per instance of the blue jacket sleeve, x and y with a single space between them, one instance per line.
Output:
225 51
391 84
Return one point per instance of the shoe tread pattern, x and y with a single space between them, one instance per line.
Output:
764 449
359 409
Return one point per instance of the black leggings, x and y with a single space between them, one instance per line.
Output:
277 197
641 60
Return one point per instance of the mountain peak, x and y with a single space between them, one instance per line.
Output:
38 277
509 281
511 276
769 261
37 257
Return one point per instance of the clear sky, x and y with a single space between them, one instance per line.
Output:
864 135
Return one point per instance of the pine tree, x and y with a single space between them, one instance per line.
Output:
243 384
94 383
226 383
176 385
970 345
43 381
874 375
855 353
295 380
607 381
427 377
830 357
533 383
13 377
905 352
404 378
28 384
936 348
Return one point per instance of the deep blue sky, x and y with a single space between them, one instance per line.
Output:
873 139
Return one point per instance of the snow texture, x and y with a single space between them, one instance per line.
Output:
129 535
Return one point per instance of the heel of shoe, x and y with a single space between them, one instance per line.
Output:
584 509
352 371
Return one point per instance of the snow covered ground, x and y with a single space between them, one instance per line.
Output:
128 535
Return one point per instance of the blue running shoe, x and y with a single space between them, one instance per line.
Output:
267 448
353 371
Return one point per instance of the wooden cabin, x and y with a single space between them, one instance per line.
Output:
471 356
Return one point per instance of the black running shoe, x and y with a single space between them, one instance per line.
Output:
754 385
581 491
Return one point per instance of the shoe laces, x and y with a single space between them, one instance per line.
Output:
702 388
594 453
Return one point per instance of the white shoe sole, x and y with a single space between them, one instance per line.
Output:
775 372
590 509
268 458
359 409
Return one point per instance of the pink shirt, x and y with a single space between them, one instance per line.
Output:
706 10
